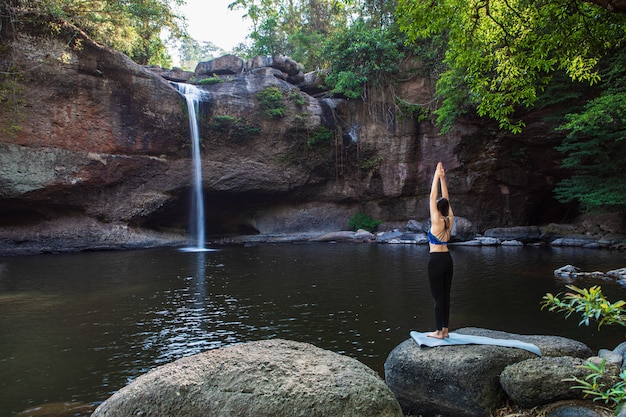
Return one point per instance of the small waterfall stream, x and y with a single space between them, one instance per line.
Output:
193 96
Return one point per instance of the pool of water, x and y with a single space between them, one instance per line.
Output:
78 327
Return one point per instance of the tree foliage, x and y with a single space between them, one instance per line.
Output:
363 221
294 28
590 303
357 41
191 52
361 54
501 53
300 28
595 147
132 26
592 306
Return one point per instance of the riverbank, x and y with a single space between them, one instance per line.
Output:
83 234
414 232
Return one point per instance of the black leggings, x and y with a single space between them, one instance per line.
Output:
440 270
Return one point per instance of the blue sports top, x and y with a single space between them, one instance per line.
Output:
434 239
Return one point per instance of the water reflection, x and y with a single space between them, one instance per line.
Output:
79 327
187 319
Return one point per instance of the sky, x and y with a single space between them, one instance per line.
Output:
211 20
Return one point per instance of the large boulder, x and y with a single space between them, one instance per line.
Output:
543 380
282 63
462 380
227 64
264 378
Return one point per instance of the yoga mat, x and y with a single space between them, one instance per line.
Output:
465 339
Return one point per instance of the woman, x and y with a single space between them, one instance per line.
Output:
440 262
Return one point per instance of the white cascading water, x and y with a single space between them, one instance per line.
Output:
193 97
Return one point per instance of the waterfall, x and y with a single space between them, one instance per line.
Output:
193 96
353 133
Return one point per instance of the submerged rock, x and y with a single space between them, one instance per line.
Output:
60 409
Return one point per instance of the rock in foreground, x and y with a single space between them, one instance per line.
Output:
462 380
264 378
539 381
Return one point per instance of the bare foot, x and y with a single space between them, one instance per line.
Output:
437 335
445 332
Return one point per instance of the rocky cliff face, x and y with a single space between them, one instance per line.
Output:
92 141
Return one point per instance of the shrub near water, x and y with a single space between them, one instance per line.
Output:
363 221
592 305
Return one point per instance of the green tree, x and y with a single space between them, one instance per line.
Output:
500 54
133 26
363 55
295 28
191 52
148 18
363 221
595 147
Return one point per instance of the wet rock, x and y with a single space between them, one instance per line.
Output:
575 240
265 378
519 233
488 241
566 271
360 236
593 245
399 237
618 274
511 243
473 242
364 236
552 231
72 234
610 356
344 235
